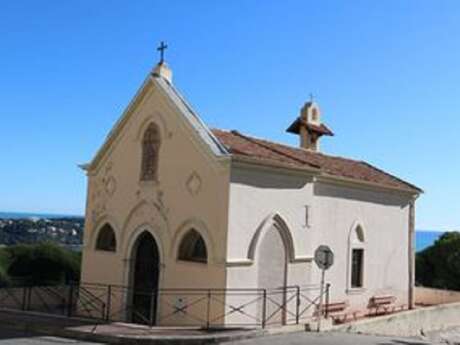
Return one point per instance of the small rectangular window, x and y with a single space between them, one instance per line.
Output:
357 260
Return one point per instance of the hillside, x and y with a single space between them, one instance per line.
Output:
64 231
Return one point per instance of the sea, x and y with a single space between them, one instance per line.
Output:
21 215
423 238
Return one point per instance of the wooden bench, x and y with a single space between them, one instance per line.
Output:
337 311
382 304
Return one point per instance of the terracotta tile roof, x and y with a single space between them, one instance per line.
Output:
278 154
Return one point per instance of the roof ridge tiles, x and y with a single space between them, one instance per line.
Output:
290 147
257 142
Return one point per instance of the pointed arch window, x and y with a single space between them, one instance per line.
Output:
106 240
356 260
150 151
193 248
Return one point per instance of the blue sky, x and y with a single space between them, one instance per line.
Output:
386 74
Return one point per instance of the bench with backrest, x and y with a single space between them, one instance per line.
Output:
338 311
382 304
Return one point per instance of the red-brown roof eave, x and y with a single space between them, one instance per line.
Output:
267 152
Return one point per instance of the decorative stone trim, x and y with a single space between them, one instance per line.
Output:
194 183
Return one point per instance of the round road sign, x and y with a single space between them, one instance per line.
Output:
324 257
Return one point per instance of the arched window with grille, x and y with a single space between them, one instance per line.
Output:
106 240
150 151
193 248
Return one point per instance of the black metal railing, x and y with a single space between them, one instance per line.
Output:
205 308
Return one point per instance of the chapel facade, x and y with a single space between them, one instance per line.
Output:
173 204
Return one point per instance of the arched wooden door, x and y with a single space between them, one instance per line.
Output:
145 279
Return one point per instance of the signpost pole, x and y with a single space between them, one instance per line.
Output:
324 258
321 292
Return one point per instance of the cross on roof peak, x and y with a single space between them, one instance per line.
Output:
162 49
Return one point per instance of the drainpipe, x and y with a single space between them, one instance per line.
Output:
411 252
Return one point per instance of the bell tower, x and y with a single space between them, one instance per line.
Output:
309 126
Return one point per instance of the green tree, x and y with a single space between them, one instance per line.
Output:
42 264
4 279
438 266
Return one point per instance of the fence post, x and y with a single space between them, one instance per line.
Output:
297 307
153 300
29 297
109 303
328 285
264 308
24 298
208 309
70 301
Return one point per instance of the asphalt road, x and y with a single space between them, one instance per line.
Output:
13 337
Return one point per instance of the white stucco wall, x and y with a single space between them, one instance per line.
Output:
256 196
257 193
384 217
259 200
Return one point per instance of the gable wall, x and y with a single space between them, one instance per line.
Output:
167 208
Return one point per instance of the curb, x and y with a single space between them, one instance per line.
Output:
67 332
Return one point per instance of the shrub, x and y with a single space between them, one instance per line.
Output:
4 279
43 264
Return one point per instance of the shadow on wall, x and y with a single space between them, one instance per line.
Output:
342 192
267 180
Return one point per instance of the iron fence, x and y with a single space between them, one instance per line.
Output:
205 308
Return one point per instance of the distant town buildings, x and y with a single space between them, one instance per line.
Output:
65 231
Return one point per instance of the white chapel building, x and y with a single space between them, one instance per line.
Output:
173 204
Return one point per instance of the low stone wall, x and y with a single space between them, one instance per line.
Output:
409 323
429 296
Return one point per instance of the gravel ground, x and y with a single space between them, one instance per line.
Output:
449 336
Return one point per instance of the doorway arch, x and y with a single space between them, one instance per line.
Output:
145 279
272 269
